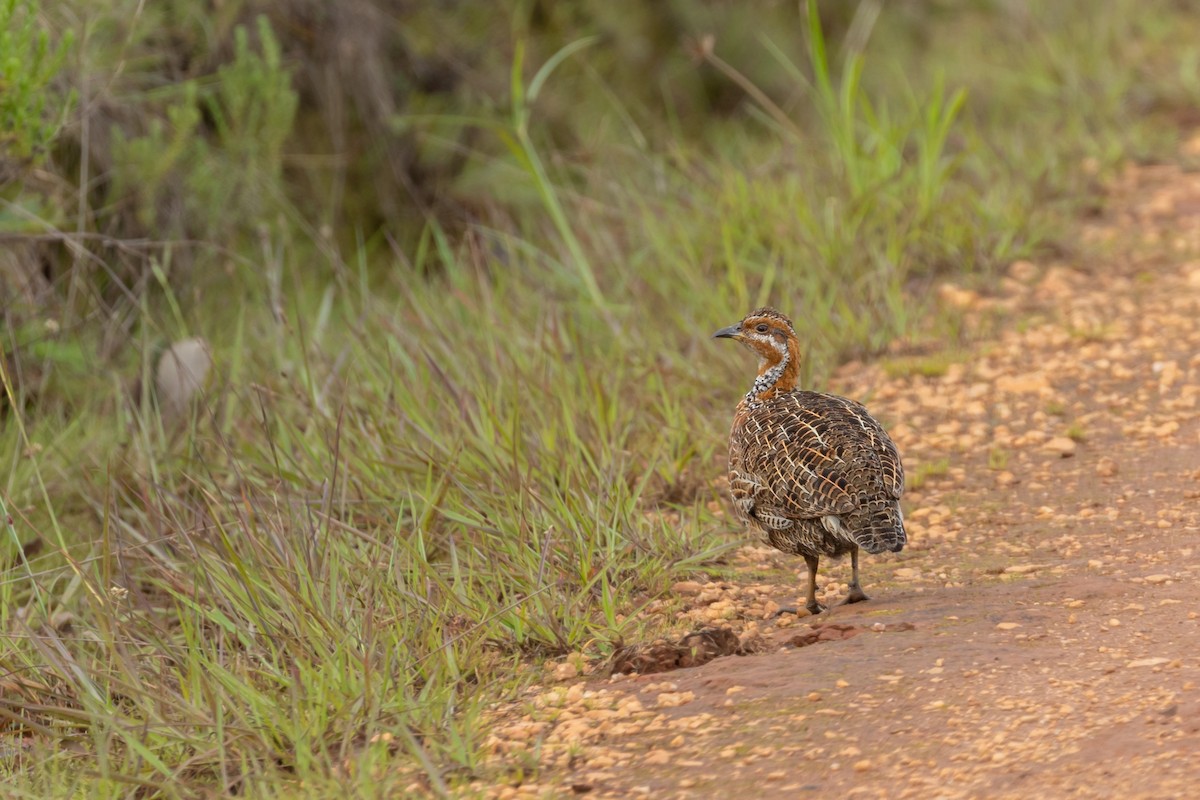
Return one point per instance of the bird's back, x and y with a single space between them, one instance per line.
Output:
818 462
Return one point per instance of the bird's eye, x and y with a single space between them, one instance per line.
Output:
762 327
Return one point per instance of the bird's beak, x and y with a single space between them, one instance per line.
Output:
732 332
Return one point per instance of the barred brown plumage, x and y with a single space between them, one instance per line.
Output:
814 474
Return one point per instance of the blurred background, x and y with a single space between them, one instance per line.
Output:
407 304
190 133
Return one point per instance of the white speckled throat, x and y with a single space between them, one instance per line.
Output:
769 378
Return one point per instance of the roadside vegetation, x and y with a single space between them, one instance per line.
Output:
457 280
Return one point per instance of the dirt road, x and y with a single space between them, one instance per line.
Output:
1040 637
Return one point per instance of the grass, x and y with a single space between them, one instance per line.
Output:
924 471
419 473
930 366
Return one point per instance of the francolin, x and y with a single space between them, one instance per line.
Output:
814 474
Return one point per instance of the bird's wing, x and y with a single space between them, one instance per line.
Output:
805 455
875 438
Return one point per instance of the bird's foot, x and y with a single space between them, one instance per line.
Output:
856 595
814 609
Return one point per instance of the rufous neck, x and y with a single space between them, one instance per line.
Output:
776 375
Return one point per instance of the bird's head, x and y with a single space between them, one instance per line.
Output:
764 331
770 335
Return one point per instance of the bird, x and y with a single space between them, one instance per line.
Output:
813 474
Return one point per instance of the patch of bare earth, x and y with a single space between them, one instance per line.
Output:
1040 637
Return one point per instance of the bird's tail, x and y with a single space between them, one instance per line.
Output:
882 529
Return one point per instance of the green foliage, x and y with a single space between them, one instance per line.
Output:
869 149
382 550
925 470
930 366
213 184
146 165
520 144
28 64
254 105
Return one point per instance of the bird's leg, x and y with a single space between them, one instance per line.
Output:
812 605
856 595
